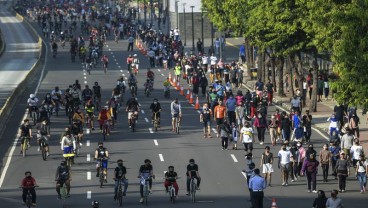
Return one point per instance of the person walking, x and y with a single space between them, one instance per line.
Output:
272 125
342 169
224 133
284 156
355 151
230 108
334 149
361 172
205 118
307 125
286 127
334 201
347 141
257 184
246 137
294 162
310 169
354 124
261 124
266 165
325 160
320 201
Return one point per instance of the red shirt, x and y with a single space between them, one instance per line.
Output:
129 60
28 182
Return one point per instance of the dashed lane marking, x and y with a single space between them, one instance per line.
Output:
88 157
151 131
88 143
89 175
234 158
245 175
146 119
162 75
161 157
89 194
214 130
155 141
142 111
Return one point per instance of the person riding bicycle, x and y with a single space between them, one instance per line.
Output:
63 175
57 95
68 145
90 108
54 46
120 173
77 131
105 60
95 204
25 133
76 95
113 105
28 184
136 61
97 91
130 63
32 103
78 117
43 133
87 94
148 85
82 52
132 80
62 36
48 101
53 36
170 178
132 108
146 172
167 84
150 75
120 83
192 172
102 154
103 117
156 109
175 113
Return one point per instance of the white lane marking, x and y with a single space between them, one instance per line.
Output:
234 158
146 119
151 131
110 50
88 143
121 71
84 73
142 111
192 104
115 60
85 82
159 70
113 56
88 157
161 157
89 194
7 164
88 175
85 77
125 78
162 75
214 130
119 67
198 111
245 175
155 141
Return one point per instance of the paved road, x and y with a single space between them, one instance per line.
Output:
21 52
223 182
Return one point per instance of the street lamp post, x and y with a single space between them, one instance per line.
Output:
193 48
152 11
138 10
145 12
202 35
177 13
184 26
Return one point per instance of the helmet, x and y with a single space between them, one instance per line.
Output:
96 83
95 204
61 32
135 55
32 96
119 160
171 167
28 172
52 32
191 161
100 143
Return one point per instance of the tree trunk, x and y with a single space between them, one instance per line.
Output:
313 101
273 74
300 71
265 68
290 70
260 64
248 55
280 70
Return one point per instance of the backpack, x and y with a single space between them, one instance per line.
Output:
63 173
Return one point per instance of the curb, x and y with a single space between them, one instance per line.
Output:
7 109
3 45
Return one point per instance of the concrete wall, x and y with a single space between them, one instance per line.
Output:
187 28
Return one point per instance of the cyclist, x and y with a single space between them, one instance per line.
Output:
175 113
78 118
97 92
90 108
170 178
32 103
63 175
132 108
28 183
103 117
113 106
156 108
120 172
105 60
68 145
95 204
43 133
102 154
48 101
150 75
76 131
54 47
25 133
120 83
132 81
136 61
56 96
192 172
146 173
76 95
87 94
148 85
167 84
129 63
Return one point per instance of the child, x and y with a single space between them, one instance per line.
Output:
234 135
333 124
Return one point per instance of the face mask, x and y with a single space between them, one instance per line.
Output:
259 116
284 148
100 147
120 164
29 177
176 102
311 148
154 102
48 96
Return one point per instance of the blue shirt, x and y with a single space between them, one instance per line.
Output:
231 104
296 121
257 183
242 50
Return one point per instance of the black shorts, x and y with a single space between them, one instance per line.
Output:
219 121
206 123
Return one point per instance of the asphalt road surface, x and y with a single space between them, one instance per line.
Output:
223 184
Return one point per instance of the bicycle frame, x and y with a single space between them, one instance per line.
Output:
193 189
172 192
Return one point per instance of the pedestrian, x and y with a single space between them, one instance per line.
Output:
240 114
259 87
307 126
304 92
203 82
266 165
242 54
240 77
234 136
354 124
131 43
302 155
257 183
261 124
249 172
335 150
320 201
320 86
310 151
355 151
230 108
224 133
284 156
205 117
334 201
219 115
325 160
333 124
270 90
295 104
294 162
310 169
347 141
286 127
361 172
326 88
342 169
246 137
298 127
272 125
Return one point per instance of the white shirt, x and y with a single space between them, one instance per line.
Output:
54 94
66 142
305 85
213 60
284 156
32 102
176 32
247 134
361 169
356 151
204 60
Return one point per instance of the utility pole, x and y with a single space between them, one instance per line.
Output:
145 12
177 13
184 26
138 10
193 48
202 35
152 12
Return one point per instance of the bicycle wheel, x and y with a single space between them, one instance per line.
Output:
155 124
44 156
101 178
177 126
29 200
25 144
120 196
173 197
193 191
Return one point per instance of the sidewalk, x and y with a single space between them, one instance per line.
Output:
324 111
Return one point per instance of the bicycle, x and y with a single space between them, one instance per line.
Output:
105 129
167 93
103 172
193 189
155 121
77 145
172 192
133 90
69 159
120 194
43 145
148 91
54 53
177 123
28 202
146 191
89 68
96 101
63 193
133 120
34 114
104 67
25 145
